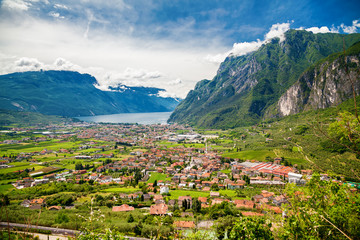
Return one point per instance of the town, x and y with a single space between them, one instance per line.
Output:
142 171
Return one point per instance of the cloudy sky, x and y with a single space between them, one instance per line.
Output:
167 44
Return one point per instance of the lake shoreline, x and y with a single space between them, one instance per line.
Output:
139 118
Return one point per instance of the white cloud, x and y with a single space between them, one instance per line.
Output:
63 64
218 58
17 5
351 29
61 6
177 81
129 77
166 94
278 30
55 15
27 64
239 49
316 30
243 48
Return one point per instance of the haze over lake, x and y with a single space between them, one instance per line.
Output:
140 118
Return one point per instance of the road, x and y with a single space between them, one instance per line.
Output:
60 231
54 231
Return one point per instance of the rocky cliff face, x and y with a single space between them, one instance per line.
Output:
325 85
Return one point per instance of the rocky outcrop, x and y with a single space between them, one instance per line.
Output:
325 85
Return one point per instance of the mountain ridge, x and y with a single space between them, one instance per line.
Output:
71 94
246 87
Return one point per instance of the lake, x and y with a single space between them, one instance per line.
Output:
140 118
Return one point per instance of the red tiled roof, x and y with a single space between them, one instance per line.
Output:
184 224
202 199
247 214
122 208
158 209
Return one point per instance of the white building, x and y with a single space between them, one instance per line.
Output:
294 177
164 190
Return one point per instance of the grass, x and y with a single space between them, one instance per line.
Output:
37 147
121 189
175 194
6 188
13 169
187 145
157 176
45 170
6 181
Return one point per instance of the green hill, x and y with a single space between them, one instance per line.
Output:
11 117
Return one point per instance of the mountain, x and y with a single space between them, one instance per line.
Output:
328 83
72 94
247 88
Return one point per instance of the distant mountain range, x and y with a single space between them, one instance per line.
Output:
278 79
72 94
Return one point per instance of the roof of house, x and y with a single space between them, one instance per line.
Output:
122 208
202 199
37 201
158 209
55 208
184 224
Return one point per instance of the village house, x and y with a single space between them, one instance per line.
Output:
164 190
158 209
279 200
243 203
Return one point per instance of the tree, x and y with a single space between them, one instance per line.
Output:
251 228
223 226
130 218
215 187
4 200
184 204
78 166
322 210
61 217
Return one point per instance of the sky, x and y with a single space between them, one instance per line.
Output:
169 44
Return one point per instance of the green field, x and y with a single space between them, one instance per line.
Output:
187 145
175 194
157 176
6 188
6 181
37 147
13 169
121 189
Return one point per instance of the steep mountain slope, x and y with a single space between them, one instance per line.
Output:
246 86
326 84
73 94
